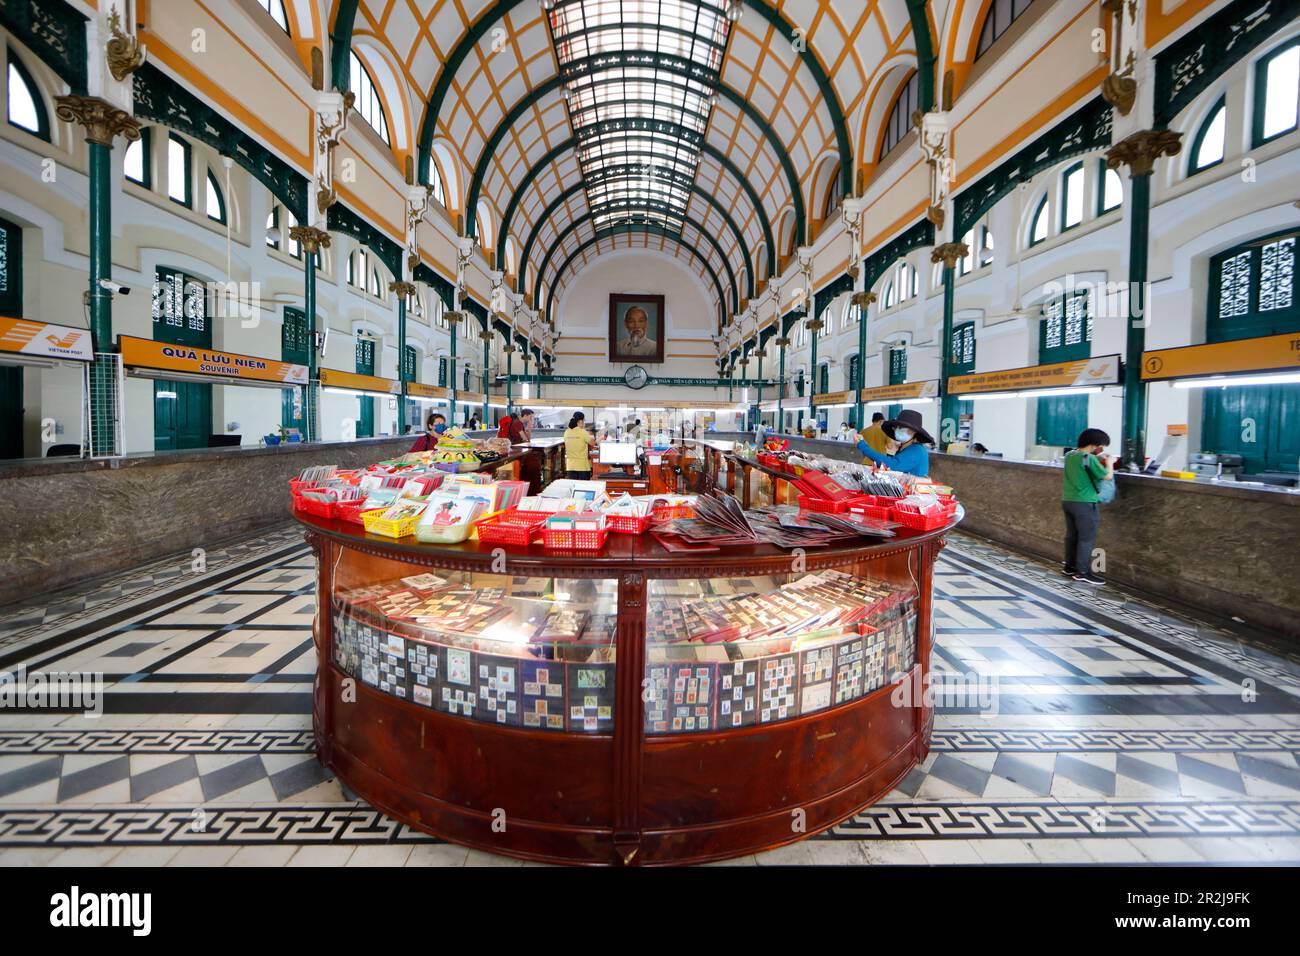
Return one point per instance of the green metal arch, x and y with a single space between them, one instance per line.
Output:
627 229
586 217
481 27
925 55
712 152
577 187
554 83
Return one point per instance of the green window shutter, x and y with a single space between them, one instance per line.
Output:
1060 419
962 357
410 364
365 356
180 310
442 371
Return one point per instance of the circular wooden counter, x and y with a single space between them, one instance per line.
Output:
621 795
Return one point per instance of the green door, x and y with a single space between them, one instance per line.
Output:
1253 292
1064 335
182 410
366 366
11 305
294 348
182 415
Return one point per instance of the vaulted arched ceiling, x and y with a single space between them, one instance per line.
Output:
730 119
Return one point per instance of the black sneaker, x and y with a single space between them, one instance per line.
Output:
1090 578
1068 571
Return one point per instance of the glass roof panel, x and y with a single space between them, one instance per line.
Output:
639 80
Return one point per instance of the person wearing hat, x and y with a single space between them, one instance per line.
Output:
912 456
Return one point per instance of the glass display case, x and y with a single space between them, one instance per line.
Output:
632 706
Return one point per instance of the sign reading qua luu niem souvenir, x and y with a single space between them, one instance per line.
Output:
146 353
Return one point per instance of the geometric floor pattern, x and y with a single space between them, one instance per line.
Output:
1074 727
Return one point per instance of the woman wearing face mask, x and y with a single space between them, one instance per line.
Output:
434 426
912 455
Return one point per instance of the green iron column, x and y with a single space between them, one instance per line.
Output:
311 240
486 336
863 301
760 353
948 253
510 378
453 319
1139 152
781 343
103 122
814 329
403 291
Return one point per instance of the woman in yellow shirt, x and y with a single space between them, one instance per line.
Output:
577 448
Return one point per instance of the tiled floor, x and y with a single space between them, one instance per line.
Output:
1124 732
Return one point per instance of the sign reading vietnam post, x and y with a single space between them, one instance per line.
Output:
1100 370
42 340
146 353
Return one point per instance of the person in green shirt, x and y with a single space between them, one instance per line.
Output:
1086 467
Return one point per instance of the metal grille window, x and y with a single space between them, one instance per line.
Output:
1234 285
639 79
963 349
365 356
1277 274
179 301
1066 331
900 116
1253 289
410 364
367 102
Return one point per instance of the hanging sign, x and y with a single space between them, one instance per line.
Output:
332 378
651 380
43 340
1101 370
1265 354
193 360
900 393
420 390
833 398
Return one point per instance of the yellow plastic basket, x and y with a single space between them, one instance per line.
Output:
376 523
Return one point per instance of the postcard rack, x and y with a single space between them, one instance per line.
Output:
622 707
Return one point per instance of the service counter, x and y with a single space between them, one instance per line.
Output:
70 519
625 706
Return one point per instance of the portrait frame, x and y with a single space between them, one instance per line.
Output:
651 352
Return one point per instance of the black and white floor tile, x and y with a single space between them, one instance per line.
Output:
1121 731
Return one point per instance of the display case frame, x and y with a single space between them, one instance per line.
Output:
625 797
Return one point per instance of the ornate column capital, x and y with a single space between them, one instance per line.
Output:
949 253
816 325
402 289
783 342
1140 151
103 121
311 238
452 318
863 299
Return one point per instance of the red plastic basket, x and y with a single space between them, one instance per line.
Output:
628 524
510 527
322 509
910 518
871 506
566 539
297 484
826 506
350 510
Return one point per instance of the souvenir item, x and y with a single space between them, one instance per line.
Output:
542 698
498 690
591 698
738 693
777 688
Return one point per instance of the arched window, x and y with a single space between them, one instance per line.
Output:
1040 224
509 265
999 18
179 160
1072 197
368 103
26 108
376 289
215 202
1277 92
890 298
834 192
433 176
967 262
276 9
899 123
1111 194
484 226
1207 147
985 246
136 161
273 228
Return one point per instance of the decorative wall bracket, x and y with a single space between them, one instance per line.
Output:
332 111
103 121
1140 151
1119 88
123 52
933 140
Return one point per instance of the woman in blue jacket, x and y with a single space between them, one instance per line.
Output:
912 456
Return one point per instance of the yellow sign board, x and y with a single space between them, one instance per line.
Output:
192 360
1265 354
833 398
332 378
1101 370
425 391
469 398
43 340
901 393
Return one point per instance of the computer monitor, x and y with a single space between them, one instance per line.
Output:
617 453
